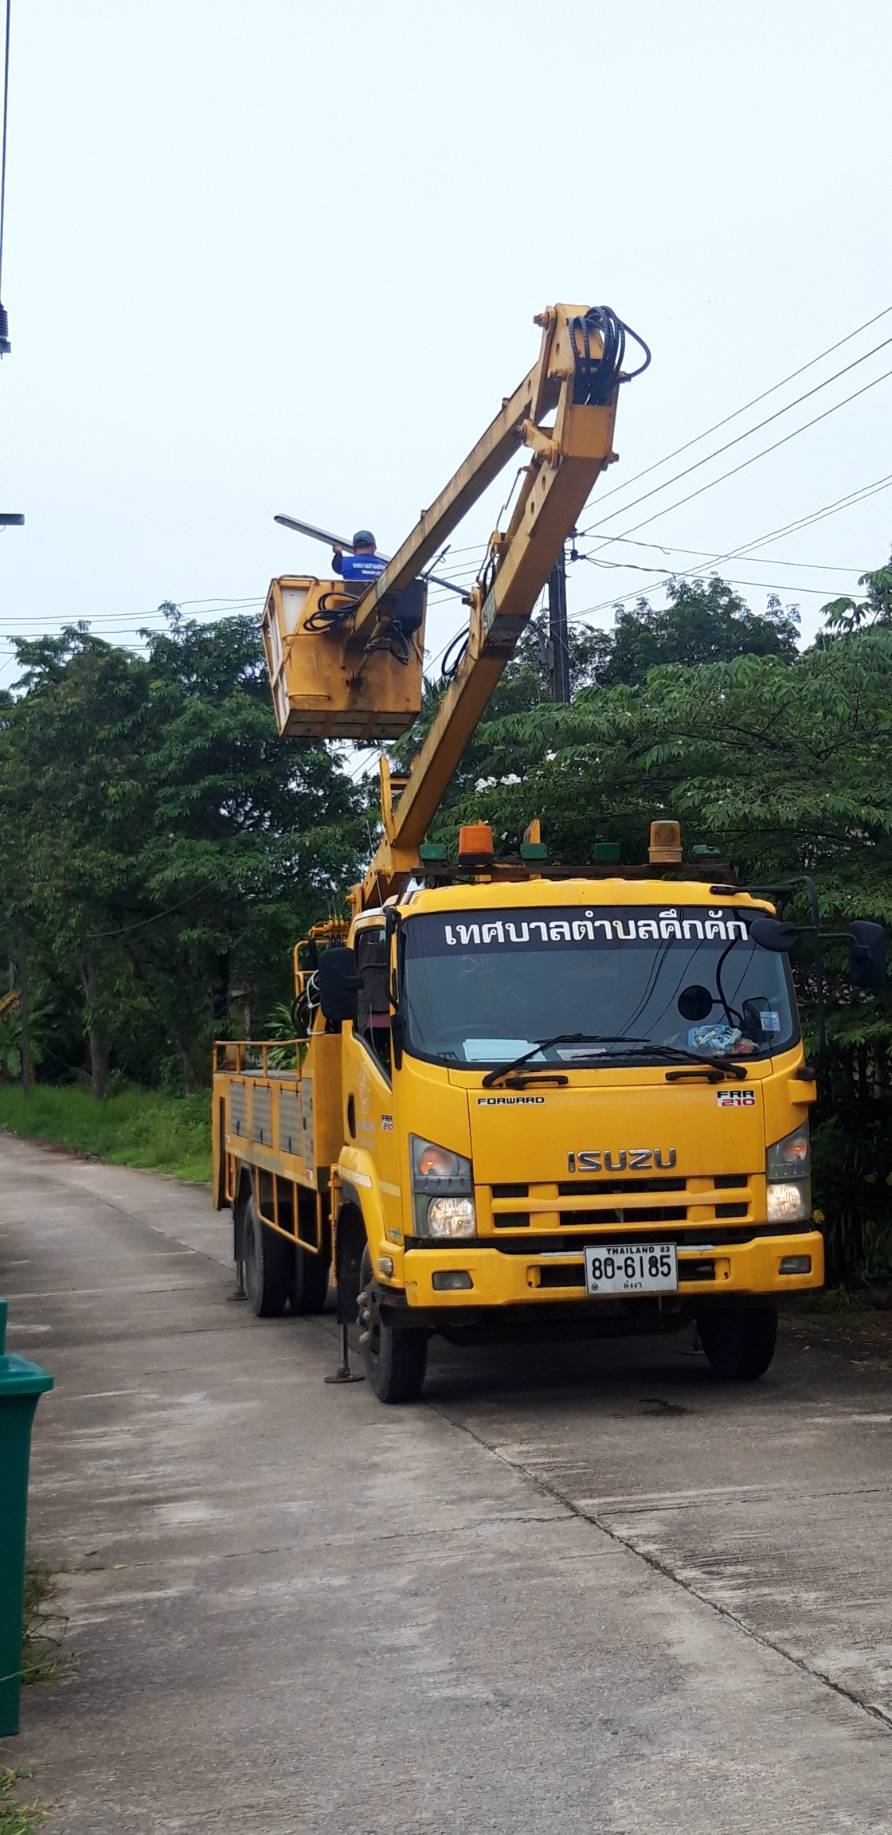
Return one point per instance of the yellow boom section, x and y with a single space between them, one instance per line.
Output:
329 679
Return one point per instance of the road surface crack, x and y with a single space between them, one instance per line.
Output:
872 1709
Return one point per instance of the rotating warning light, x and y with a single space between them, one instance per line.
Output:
475 843
665 844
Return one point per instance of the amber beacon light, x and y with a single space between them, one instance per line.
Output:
665 843
475 843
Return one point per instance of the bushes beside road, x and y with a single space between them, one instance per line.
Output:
136 1128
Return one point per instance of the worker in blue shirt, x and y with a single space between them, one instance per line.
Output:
364 563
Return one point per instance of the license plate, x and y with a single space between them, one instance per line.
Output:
631 1267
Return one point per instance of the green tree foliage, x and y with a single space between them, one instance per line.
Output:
861 614
165 846
704 622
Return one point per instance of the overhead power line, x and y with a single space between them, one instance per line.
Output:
718 450
124 621
764 451
707 554
849 501
752 403
774 586
802 522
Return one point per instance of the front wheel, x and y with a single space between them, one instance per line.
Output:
739 1342
395 1362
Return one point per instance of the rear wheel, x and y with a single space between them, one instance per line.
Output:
269 1265
739 1343
395 1362
311 1277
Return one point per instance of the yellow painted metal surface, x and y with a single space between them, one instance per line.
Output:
283 1119
362 1111
356 1106
325 682
512 1280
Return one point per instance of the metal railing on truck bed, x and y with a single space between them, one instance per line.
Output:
277 1109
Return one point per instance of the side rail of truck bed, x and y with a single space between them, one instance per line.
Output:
266 1133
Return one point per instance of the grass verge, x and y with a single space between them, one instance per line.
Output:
135 1128
17 1818
43 1629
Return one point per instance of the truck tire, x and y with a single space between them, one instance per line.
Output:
269 1266
395 1362
311 1276
739 1343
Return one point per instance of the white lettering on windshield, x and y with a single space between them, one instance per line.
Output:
664 926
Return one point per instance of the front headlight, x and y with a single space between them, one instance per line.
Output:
788 1171
789 1203
448 1218
442 1191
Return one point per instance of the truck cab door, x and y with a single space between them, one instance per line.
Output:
368 1073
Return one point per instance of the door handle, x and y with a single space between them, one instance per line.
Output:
351 1115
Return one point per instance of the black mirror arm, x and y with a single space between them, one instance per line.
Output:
731 1016
813 929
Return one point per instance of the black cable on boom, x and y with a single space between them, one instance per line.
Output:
597 378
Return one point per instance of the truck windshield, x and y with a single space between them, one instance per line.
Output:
480 988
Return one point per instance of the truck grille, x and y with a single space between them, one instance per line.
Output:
596 1205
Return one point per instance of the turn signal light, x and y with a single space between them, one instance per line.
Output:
475 841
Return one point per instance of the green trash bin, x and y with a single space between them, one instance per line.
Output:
21 1385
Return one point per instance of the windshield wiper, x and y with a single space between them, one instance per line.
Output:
558 1038
670 1054
678 1054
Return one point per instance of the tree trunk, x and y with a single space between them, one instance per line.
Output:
192 1061
95 1035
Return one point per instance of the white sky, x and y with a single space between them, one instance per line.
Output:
281 256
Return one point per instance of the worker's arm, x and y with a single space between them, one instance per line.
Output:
337 560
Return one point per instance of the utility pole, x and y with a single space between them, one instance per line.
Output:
557 631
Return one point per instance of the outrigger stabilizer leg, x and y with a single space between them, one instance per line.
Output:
348 1295
343 1373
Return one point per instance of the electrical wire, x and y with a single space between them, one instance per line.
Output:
834 508
831 509
773 560
745 463
773 586
752 403
718 450
122 622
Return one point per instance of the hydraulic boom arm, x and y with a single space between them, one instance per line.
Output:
576 378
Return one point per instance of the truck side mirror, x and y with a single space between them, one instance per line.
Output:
338 983
774 934
867 954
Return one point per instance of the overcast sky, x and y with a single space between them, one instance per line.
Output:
283 256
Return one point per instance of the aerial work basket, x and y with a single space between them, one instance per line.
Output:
325 683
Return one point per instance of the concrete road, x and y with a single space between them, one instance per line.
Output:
587 1593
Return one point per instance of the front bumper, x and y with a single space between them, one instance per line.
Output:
498 1279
